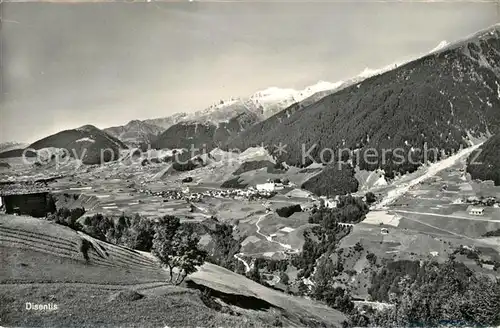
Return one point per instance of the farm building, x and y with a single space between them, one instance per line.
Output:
329 202
37 204
476 211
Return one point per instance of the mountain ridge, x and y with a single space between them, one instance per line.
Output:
93 145
425 102
261 104
135 132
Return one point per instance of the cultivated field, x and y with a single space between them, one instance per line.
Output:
27 243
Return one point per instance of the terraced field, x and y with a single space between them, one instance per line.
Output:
27 241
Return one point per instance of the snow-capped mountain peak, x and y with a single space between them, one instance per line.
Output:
318 87
274 99
274 94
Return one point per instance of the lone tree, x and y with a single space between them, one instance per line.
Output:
176 245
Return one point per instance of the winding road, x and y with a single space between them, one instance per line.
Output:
269 238
247 266
238 256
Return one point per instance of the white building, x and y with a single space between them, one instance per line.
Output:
331 203
476 211
328 202
269 186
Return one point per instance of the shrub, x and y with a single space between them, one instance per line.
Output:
358 247
288 211
67 217
370 198
284 278
372 258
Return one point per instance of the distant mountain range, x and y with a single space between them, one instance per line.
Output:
7 146
13 149
259 107
228 117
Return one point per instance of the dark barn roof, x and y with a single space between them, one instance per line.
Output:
23 188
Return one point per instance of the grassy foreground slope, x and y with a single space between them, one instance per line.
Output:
42 262
309 312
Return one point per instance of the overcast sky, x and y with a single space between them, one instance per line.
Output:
66 65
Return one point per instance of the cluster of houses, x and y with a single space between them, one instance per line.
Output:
185 194
249 193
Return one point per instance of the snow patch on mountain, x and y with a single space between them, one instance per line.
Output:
440 46
369 72
86 139
274 99
319 87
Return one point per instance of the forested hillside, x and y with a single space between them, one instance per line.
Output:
439 101
135 132
88 143
333 180
203 135
430 294
484 164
